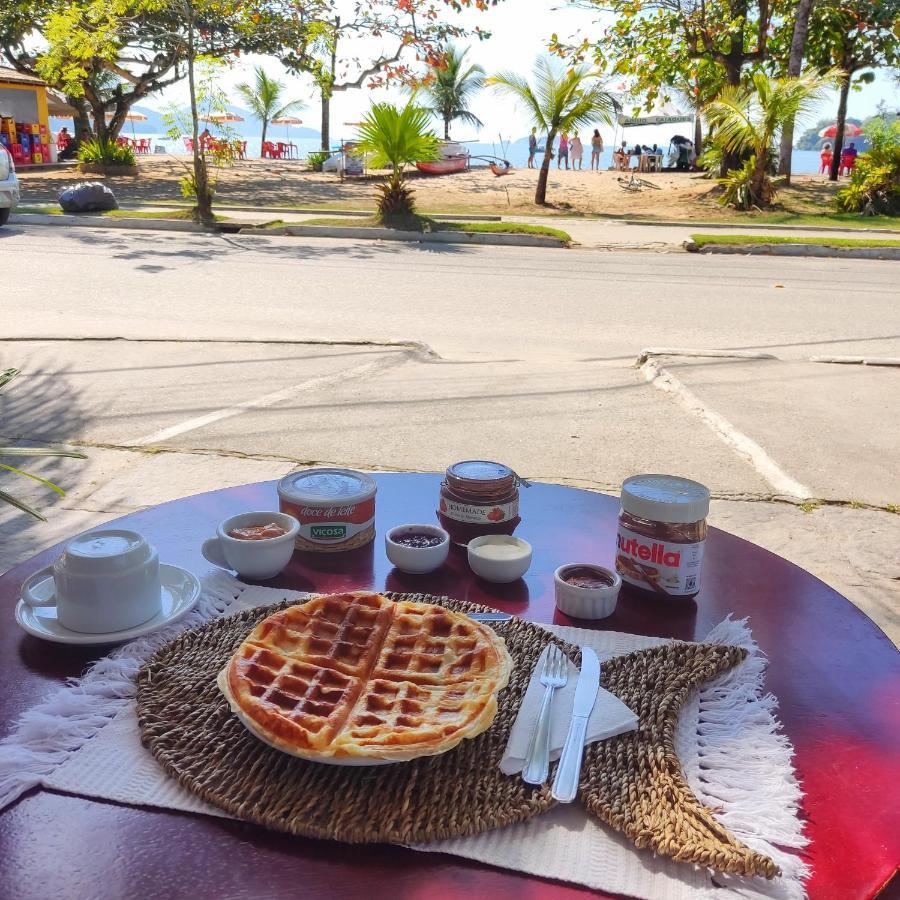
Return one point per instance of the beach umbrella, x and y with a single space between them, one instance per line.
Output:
287 121
219 118
850 130
131 116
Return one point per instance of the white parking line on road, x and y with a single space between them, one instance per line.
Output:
768 469
287 393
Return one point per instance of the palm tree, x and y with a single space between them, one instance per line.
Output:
264 99
396 137
747 119
558 101
450 88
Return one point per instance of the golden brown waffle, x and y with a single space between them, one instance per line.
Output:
358 675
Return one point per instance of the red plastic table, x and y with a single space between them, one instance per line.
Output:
835 673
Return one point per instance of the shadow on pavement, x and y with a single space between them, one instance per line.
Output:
38 408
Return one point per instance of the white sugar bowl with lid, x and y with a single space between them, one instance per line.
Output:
335 508
662 535
106 580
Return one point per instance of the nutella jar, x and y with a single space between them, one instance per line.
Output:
478 497
662 533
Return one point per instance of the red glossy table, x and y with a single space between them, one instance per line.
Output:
835 673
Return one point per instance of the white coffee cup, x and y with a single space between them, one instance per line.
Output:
252 559
105 580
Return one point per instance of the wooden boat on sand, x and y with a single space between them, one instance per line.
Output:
454 158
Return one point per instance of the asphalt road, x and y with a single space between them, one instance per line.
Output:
242 356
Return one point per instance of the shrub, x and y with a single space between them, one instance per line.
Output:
875 180
743 190
106 153
316 159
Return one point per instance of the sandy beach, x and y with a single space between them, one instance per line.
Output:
272 183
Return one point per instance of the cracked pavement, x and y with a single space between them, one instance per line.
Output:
248 356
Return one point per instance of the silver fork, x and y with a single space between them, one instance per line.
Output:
554 674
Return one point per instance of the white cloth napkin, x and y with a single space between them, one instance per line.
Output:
609 717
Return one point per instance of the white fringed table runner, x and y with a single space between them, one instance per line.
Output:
84 740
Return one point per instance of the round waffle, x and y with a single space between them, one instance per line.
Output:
356 677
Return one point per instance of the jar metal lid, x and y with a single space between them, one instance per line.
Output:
326 487
480 470
665 498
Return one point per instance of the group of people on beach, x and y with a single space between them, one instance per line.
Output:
848 159
569 147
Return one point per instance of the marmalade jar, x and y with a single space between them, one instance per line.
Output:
478 497
661 535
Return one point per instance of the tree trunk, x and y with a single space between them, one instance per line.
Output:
730 159
81 122
326 119
446 129
698 133
203 211
839 137
540 194
262 141
795 65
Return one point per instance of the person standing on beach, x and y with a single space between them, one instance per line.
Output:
577 150
563 150
596 150
532 147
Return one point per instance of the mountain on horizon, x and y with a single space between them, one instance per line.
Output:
250 127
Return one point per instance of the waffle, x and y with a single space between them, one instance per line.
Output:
358 676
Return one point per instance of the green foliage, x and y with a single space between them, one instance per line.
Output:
6 376
106 152
746 121
875 180
557 100
691 47
315 160
854 34
450 86
395 137
741 190
265 98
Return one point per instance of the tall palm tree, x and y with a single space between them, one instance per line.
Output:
557 101
451 87
396 137
264 99
747 119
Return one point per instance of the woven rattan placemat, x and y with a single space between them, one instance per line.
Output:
633 782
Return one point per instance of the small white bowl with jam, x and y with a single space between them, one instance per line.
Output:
417 549
256 545
586 591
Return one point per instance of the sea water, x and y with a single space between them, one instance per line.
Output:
803 162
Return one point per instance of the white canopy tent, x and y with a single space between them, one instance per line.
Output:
665 114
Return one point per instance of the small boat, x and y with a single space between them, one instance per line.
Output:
444 166
454 158
498 170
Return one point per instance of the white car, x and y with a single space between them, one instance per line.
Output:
9 185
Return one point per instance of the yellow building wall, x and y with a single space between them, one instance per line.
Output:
41 99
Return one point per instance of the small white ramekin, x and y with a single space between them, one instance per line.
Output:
416 560
584 602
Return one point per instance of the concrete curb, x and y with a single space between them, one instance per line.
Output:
858 360
808 250
106 222
722 226
428 237
320 231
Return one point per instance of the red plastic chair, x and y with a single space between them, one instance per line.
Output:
270 151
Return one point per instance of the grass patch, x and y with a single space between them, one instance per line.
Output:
425 224
703 240
181 214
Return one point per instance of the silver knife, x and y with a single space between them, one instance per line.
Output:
565 784
490 617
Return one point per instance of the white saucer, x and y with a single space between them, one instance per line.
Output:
180 592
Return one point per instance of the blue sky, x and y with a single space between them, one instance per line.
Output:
520 31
